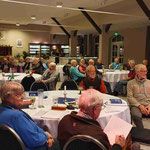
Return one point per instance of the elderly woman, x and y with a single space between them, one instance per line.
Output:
115 64
84 121
16 68
82 66
76 75
27 66
12 94
49 76
36 68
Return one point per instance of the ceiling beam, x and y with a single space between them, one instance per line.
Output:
91 20
107 27
144 8
62 28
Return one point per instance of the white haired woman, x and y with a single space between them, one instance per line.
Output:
76 75
84 121
12 94
49 76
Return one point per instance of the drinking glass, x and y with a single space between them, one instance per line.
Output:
55 100
80 88
32 99
40 98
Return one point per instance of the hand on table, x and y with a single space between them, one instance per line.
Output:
120 140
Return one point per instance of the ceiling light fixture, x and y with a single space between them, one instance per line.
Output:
33 17
59 4
17 24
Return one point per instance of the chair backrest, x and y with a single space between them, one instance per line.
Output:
38 85
9 139
83 142
27 82
70 85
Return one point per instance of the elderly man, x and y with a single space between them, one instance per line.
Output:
123 82
99 64
49 76
100 75
12 94
84 121
138 95
93 81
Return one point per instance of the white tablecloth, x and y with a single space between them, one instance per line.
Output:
114 76
17 77
50 124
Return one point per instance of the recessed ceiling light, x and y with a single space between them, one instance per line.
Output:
59 4
17 24
33 17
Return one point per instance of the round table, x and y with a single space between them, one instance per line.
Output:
17 77
50 123
114 76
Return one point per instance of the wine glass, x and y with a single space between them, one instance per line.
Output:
32 99
80 88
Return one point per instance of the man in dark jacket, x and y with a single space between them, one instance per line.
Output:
84 121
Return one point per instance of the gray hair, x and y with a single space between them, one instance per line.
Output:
52 64
132 61
139 66
72 61
89 99
9 88
89 67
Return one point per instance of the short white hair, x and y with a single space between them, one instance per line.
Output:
72 61
52 64
139 66
132 61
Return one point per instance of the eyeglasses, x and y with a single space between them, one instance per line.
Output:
143 71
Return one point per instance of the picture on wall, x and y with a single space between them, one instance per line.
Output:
19 43
2 35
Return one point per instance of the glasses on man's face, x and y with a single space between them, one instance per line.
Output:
143 71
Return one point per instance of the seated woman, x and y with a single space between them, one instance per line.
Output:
115 64
76 75
12 94
36 68
49 76
82 66
27 66
16 68
84 121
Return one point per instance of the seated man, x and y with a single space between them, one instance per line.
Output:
138 95
100 75
49 76
131 75
84 121
93 81
76 75
99 64
27 66
12 94
115 64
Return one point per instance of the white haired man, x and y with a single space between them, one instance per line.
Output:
84 121
138 95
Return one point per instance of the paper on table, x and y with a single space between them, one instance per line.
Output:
54 114
117 126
